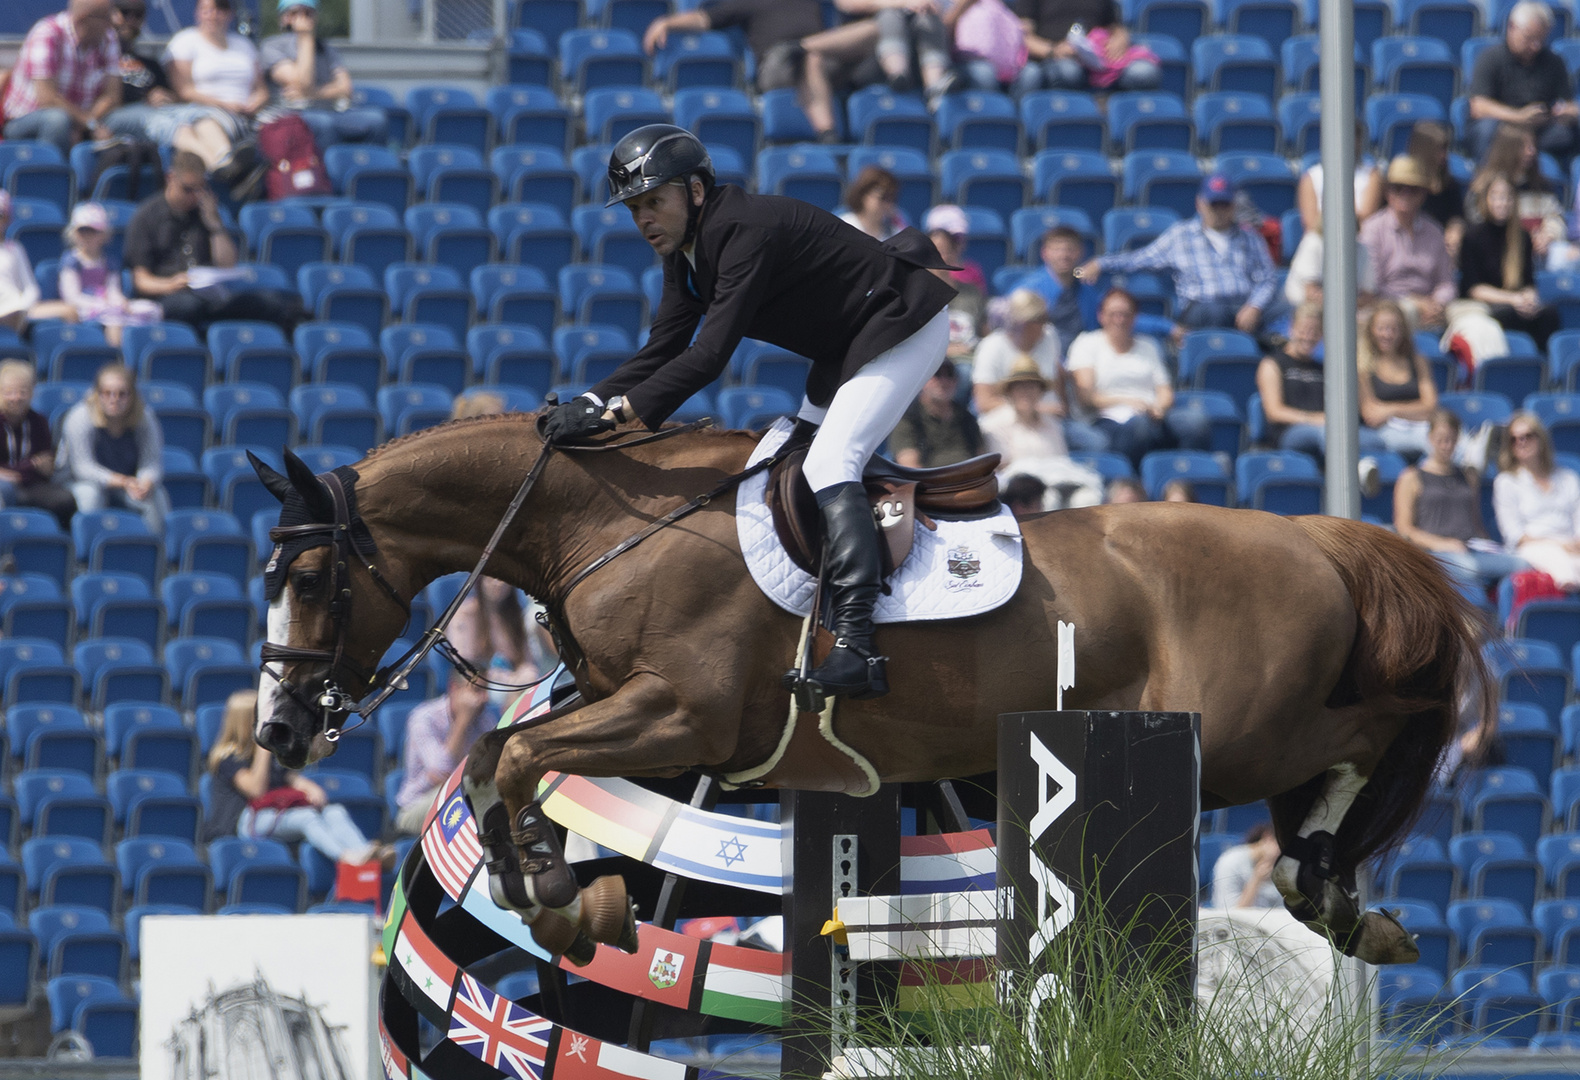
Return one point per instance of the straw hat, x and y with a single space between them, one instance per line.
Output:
1024 371
1026 306
1406 171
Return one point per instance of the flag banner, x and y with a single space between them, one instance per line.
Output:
746 984
450 842
498 1032
426 969
581 1057
951 862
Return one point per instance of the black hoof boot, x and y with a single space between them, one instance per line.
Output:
553 882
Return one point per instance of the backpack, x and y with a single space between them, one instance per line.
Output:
295 168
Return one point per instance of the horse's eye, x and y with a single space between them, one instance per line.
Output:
306 582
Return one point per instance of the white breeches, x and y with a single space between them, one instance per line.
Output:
865 409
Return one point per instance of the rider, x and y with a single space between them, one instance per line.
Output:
871 316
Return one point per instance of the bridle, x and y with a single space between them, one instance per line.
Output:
346 537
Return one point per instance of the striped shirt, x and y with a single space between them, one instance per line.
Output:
1201 272
51 51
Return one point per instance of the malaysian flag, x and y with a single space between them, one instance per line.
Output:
499 1032
451 846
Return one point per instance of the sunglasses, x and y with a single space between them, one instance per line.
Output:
1522 436
133 12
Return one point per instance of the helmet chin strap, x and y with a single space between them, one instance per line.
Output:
693 211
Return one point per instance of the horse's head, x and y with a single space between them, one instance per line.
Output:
327 628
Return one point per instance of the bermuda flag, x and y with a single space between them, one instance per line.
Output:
451 845
498 1031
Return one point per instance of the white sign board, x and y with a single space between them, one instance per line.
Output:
232 997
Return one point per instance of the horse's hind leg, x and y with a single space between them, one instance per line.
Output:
1318 891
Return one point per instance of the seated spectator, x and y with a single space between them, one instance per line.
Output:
1243 875
990 43
1081 45
1291 384
144 84
1368 188
774 32
899 30
1304 283
1537 502
1223 274
177 232
1513 155
1521 80
439 733
936 429
112 450
1496 265
1125 489
1030 439
1024 494
216 74
306 74
1429 144
1407 250
1072 302
20 301
1396 392
1120 375
1437 506
949 229
90 280
254 795
1181 491
873 198
27 460
1027 336
64 84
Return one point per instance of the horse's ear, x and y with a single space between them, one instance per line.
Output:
319 505
276 482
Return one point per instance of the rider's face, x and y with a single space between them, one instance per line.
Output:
660 215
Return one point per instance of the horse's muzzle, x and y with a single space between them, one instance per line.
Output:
281 740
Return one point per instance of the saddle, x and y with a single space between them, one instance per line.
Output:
899 496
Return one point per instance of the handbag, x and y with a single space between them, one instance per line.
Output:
280 798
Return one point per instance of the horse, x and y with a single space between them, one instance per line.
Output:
1327 658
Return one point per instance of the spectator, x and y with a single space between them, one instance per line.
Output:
1125 489
1223 274
936 429
1181 491
900 29
1072 303
216 72
1496 264
64 84
1243 875
90 280
774 32
1026 336
1513 154
1445 201
1396 391
254 795
144 84
1437 506
1024 494
1080 45
112 450
1304 283
1291 384
307 74
439 733
1121 376
1407 249
949 228
990 43
1368 188
1030 439
28 468
873 199
1521 80
1537 502
19 292
177 232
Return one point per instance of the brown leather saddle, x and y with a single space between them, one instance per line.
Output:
899 496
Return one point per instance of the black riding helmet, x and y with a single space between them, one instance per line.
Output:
654 155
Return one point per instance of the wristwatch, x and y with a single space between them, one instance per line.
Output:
616 405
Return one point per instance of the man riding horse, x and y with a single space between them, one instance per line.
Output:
871 317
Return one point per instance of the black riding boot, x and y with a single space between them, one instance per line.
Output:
854 572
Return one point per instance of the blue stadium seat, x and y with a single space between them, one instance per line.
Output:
1202 469
612 112
117 541
34 542
1063 119
1409 997
32 606
1559 853
1145 120
1233 121
160 870
1562 291
692 61
986 178
529 116
207 541
1281 481
1389 118
137 340
979 120
808 173
1453 22
1162 178
69 995
527 60
1425 923
1473 409
1496 865
1506 800
610 237
1416 65
720 117
70 870
257 871
1273 21
452 110
512 354
455 175
754 407
431 294
1235 62
1267 179
368 175
1125 230
1529 736
1080 180
395 403
1182 20
1028 226
590 59
880 117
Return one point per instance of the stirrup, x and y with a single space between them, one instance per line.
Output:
874 672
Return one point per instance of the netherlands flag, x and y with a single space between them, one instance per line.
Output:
499 1032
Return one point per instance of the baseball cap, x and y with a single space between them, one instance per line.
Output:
949 218
287 5
89 215
1217 188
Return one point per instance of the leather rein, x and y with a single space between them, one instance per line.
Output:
394 677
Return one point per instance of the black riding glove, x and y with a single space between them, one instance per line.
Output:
573 422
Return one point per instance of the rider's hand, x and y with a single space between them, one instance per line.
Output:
574 421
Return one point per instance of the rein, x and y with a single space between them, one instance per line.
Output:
394 676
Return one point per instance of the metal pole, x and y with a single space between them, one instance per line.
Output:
1338 256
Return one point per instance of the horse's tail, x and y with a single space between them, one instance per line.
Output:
1416 652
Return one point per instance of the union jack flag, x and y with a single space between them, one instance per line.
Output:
499 1032
451 844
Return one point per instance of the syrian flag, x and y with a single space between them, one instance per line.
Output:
451 845
426 969
499 1032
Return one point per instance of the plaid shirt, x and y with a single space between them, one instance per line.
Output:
51 52
1200 273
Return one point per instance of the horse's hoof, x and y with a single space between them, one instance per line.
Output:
629 941
606 910
554 932
582 951
1380 939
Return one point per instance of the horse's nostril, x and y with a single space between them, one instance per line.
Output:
274 734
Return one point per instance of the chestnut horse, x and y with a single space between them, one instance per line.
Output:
1326 657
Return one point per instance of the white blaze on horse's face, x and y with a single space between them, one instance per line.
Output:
279 632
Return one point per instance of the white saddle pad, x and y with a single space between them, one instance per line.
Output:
964 568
